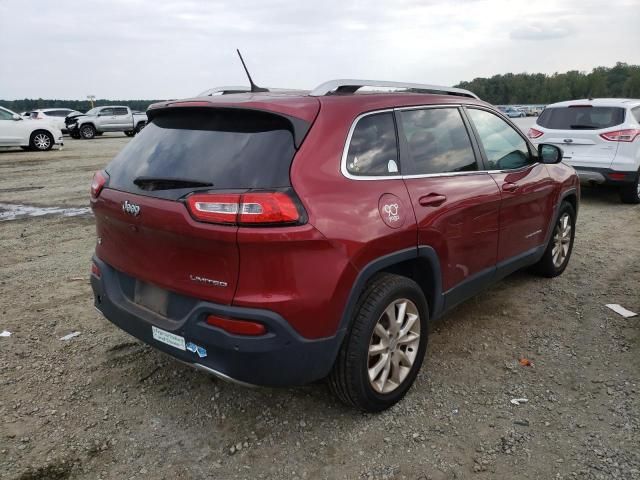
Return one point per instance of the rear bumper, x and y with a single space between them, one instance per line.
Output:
605 176
281 357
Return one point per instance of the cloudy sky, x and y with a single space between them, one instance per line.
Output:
125 49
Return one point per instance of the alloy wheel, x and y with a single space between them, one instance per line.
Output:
42 141
561 240
394 345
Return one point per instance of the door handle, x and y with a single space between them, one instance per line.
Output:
432 200
509 187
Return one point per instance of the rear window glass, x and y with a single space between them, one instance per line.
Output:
581 118
373 150
232 149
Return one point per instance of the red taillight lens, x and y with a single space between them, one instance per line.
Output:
617 176
533 133
274 207
98 182
628 135
253 208
95 270
237 327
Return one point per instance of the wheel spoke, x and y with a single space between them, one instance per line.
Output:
381 332
377 349
385 373
411 320
410 337
377 368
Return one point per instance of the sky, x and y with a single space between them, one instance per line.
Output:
160 49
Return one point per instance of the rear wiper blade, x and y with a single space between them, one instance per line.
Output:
583 127
168 183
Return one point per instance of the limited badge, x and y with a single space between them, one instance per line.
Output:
391 210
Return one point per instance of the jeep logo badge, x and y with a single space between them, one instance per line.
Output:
130 208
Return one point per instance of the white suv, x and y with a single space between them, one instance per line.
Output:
600 139
28 134
56 116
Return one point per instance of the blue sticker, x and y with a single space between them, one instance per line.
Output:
192 347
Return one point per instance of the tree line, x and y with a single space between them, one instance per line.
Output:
621 81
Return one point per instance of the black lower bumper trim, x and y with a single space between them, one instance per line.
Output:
281 357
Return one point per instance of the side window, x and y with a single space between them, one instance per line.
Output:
636 113
373 150
4 115
504 147
437 141
120 111
106 111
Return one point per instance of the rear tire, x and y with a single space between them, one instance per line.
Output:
631 193
87 132
130 133
556 256
41 141
382 352
140 126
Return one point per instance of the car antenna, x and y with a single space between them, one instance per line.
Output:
254 87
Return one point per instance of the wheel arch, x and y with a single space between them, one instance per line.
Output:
420 264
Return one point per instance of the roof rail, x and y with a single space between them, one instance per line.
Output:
226 90
352 86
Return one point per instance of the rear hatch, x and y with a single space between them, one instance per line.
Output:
144 224
577 129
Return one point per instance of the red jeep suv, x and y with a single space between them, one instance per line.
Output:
278 238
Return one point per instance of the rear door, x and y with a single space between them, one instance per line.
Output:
577 128
525 185
123 119
144 225
11 131
455 203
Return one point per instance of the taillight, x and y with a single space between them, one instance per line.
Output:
253 208
628 135
98 182
533 133
237 327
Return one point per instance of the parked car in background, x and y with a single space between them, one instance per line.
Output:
56 116
600 139
99 120
280 238
16 131
512 112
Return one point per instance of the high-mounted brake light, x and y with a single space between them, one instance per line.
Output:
533 133
628 135
252 208
237 327
97 184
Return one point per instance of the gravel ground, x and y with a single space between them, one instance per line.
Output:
102 405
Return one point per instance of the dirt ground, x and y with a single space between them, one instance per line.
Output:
104 406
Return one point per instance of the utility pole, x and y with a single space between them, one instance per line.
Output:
91 98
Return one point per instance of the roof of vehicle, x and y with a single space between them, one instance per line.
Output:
304 104
599 102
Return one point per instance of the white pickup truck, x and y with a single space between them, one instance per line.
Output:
99 120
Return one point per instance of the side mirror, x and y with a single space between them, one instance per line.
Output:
15 116
549 153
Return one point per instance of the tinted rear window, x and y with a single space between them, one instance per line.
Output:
581 118
232 149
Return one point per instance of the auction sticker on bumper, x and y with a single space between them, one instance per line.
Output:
169 338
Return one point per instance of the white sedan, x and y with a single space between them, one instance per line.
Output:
26 133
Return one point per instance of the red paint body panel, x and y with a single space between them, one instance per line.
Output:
464 229
525 211
164 245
